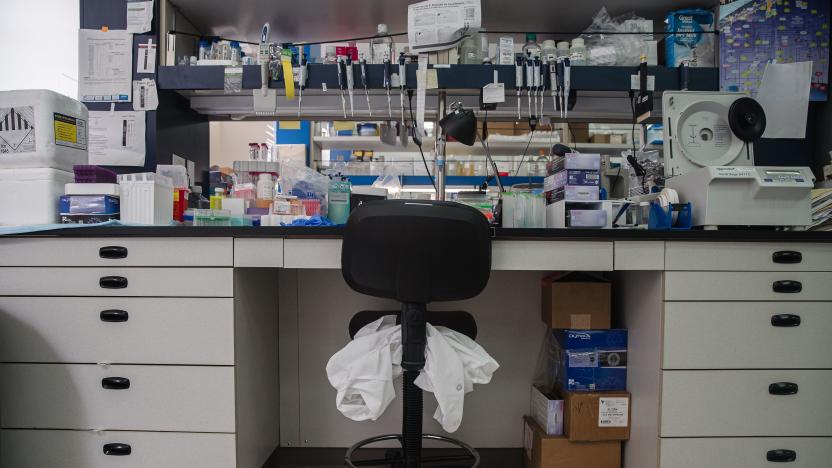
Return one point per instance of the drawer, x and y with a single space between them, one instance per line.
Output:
727 403
159 398
751 452
114 251
748 256
117 330
552 255
312 253
747 286
85 449
158 282
747 335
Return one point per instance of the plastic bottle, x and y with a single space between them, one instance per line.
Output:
265 186
216 199
381 46
577 53
531 45
339 200
236 53
542 163
469 51
563 49
549 49
330 56
204 49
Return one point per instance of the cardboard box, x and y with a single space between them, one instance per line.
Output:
590 360
579 132
576 301
547 410
596 416
611 138
542 451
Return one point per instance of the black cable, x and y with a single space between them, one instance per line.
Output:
517 172
419 144
289 44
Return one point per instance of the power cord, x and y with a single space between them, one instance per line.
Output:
418 141
532 127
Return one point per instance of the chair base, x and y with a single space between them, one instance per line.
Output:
470 459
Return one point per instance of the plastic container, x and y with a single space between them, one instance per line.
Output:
339 200
381 47
531 45
549 50
265 186
204 49
236 53
42 129
562 49
30 196
211 218
470 52
577 53
86 174
178 175
146 198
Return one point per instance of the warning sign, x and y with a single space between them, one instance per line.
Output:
70 131
17 130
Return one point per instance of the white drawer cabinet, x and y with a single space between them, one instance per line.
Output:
86 449
119 330
113 251
748 286
118 281
747 452
743 403
80 396
747 335
748 256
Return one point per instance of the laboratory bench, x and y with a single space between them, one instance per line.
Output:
213 341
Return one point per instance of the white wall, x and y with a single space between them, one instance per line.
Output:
40 49
229 140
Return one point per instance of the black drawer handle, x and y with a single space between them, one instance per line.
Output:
781 455
118 450
785 320
782 388
115 383
787 256
112 252
113 282
115 315
787 286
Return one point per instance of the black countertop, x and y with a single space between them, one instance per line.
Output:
741 235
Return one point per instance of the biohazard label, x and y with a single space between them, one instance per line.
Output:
70 131
17 130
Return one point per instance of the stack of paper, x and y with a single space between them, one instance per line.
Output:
821 210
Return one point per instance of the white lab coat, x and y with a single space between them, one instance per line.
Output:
363 371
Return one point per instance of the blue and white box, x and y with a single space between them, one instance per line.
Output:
591 360
583 161
696 44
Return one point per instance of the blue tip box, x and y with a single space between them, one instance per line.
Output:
591 360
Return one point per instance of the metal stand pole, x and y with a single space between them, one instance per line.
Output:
440 147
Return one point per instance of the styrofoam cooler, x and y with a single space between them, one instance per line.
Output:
146 198
42 129
30 196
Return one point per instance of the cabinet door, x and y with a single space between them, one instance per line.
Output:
745 403
119 330
748 256
86 449
747 286
146 398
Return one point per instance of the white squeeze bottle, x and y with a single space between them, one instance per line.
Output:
381 46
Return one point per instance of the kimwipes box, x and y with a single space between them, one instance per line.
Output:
577 301
590 417
542 451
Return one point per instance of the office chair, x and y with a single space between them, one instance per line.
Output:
416 252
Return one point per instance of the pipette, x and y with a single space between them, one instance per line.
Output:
350 83
542 90
387 85
363 65
518 82
560 86
342 83
537 83
529 79
553 82
402 83
566 85
302 76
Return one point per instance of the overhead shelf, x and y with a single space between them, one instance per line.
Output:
498 146
451 77
450 181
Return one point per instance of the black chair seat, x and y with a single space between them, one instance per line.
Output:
457 320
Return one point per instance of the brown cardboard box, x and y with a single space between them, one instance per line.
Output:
579 132
596 416
542 451
576 301
600 138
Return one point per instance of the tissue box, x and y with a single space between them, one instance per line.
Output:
590 360
547 410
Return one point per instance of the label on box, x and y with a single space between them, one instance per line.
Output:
582 359
613 412
17 130
70 131
528 439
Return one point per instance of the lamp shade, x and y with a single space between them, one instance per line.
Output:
460 125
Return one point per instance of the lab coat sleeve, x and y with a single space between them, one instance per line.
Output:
362 373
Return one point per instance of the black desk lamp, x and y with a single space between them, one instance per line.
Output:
461 125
